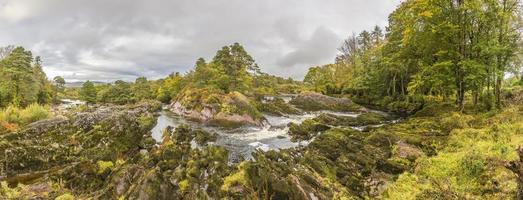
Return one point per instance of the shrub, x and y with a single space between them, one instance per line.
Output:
473 164
13 117
33 113
10 115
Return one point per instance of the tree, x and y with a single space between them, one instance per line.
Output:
45 92
5 51
435 47
235 63
141 89
169 87
19 86
119 93
88 92
59 83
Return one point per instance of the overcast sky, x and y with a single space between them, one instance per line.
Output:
122 39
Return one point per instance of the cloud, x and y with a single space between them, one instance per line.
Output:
314 51
119 39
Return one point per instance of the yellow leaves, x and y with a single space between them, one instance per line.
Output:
427 14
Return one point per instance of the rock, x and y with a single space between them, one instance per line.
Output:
233 109
310 101
377 183
306 130
278 106
105 133
407 151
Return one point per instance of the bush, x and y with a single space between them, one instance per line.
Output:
473 164
487 101
33 113
16 117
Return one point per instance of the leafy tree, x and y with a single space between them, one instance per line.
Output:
45 92
59 83
235 61
88 92
18 86
119 93
432 47
141 89
5 51
169 87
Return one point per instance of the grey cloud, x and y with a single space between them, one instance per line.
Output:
121 39
313 51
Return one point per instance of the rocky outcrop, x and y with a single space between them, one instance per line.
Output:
312 127
105 133
233 109
310 101
277 106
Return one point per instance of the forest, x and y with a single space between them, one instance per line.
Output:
428 107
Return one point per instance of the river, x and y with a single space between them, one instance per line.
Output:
244 141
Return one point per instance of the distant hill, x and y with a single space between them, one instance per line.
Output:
77 84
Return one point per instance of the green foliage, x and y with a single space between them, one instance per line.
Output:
9 193
11 118
469 164
431 48
59 83
169 87
141 89
120 92
23 81
33 113
88 92
104 166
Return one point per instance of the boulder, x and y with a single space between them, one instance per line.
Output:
232 109
310 101
277 106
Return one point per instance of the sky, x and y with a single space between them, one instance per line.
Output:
107 40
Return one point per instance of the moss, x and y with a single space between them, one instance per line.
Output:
237 178
278 107
104 166
310 101
306 130
407 186
183 185
65 196
9 193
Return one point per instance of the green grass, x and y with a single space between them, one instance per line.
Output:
471 164
12 118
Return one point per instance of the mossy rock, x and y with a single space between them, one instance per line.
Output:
278 107
310 101
306 130
208 106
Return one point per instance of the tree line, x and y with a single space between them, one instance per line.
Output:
448 49
231 69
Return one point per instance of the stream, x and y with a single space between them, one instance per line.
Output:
243 141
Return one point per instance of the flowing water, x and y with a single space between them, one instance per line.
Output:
240 141
244 141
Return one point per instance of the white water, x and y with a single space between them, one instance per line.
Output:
245 140
68 103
